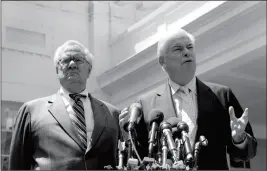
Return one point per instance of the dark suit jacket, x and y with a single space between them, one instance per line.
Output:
45 139
213 122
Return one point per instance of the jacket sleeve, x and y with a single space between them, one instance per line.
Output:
21 142
248 151
142 133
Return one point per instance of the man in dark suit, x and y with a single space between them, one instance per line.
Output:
209 109
70 129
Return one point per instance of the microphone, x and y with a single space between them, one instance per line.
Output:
120 165
159 152
121 151
202 142
166 128
183 129
155 118
135 112
164 150
174 121
175 134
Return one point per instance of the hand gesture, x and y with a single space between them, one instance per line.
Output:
238 125
124 117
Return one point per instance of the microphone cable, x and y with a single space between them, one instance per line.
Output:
133 145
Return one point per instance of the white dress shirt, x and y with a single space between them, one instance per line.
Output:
89 117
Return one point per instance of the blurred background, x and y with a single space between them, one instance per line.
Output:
122 35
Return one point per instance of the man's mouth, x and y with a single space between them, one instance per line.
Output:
72 73
186 61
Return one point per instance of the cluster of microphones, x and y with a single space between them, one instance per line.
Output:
169 146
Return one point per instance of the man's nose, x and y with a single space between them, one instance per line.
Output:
72 64
186 54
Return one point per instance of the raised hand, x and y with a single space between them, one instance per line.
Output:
238 125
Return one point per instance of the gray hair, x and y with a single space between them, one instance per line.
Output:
76 45
162 42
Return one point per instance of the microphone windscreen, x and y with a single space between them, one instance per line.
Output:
134 112
136 105
155 116
182 126
173 121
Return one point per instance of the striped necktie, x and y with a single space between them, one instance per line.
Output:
78 118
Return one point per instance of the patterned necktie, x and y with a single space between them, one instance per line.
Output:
78 118
186 111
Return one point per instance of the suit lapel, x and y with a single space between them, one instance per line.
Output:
59 112
205 100
100 119
164 102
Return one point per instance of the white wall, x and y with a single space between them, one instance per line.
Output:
31 31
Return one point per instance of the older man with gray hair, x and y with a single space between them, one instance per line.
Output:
209 109
70 129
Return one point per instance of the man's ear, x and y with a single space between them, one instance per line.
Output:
161 61
89 73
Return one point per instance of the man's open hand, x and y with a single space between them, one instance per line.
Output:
238 125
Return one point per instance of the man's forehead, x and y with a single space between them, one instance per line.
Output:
73 51
180 41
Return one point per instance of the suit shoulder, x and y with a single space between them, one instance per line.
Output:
38 101
148 96
109 105
27 108
114 111
222 92
217 88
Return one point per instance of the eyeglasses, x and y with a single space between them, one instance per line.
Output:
67 60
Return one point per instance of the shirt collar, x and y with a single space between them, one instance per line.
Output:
66 93
191 85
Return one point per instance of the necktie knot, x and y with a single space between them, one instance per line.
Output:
184 90
77 96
